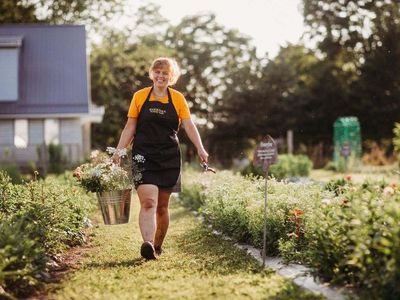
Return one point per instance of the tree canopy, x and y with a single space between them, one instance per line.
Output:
234 95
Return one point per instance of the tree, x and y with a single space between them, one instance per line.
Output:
271 104
364 34
209 55
57 11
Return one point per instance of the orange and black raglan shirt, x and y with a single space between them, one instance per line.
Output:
178 100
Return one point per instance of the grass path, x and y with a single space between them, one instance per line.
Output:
196 265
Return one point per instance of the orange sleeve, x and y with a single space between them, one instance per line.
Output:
133 108
182 107
137 102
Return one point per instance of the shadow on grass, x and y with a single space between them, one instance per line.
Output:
215 255
293 292
112 264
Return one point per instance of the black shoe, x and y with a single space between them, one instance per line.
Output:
158 250
147 250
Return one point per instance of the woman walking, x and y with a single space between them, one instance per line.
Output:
154 117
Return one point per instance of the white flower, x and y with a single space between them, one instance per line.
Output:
94 154
119 152
326 201
95 173
139 158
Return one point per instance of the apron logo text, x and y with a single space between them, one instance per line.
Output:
157 111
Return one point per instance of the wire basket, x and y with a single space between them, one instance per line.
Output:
115 206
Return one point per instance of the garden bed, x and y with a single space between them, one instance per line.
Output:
347 233
38 221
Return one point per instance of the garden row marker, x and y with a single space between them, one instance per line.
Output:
265 155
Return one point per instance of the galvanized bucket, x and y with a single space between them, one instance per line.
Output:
115 206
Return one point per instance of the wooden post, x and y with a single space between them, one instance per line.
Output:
289 138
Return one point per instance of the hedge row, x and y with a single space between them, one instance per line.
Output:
38 220
348 234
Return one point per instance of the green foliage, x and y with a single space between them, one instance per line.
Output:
396 139
57 11
347 233
359 40
57 160
288 165
12 169
38 219
22 258
234 204
357 242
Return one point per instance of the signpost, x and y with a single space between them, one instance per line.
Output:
265 155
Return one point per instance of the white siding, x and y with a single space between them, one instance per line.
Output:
9 74
36 132
71 138
7 132
70 131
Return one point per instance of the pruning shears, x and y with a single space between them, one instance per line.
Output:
206 167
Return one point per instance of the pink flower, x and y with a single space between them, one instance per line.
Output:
347 177
387 191
77 173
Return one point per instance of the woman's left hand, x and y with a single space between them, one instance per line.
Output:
203 155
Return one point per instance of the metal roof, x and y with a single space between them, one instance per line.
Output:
53 73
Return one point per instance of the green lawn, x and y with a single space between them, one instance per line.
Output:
196 265
372 173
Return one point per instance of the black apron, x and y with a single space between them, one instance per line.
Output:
156 157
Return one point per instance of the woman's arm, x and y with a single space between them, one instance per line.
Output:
194 136
126 136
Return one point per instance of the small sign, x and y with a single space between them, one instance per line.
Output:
345 150
266 153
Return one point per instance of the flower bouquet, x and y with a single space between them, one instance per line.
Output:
110 182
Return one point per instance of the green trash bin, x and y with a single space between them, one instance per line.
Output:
347 143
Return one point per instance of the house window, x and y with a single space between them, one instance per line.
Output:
52 131
6 133
36 132
9 65
21 133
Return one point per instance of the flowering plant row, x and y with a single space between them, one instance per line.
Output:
347 233
101 174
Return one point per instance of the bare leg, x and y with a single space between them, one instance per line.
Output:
148 196
162 217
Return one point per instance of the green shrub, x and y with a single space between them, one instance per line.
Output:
13 171
38 219
21 258
348 233
396 139
357 240
288 165
57 161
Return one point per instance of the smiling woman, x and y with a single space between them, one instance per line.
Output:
154 117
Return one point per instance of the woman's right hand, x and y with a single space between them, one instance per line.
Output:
203 155
116 159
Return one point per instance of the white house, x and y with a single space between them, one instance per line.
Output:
44 91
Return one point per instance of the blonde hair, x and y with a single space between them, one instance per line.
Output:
170 64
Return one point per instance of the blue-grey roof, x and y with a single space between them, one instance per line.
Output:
52 69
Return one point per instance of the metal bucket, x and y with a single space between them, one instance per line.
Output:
115 206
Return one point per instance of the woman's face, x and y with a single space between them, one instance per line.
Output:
161 77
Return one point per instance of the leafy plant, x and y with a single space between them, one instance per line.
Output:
38 219
347 233
288 165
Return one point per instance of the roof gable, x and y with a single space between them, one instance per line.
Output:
52 69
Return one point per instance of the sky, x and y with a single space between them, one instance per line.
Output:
270 23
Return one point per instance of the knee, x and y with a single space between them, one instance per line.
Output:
161 210
148 203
